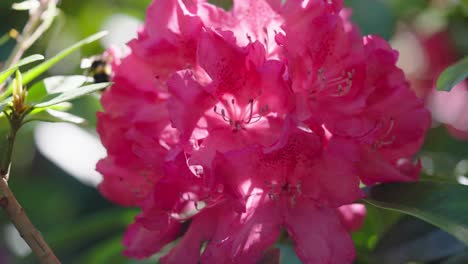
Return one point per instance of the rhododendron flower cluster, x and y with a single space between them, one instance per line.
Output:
227 127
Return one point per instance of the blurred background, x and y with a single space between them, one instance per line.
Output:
53 173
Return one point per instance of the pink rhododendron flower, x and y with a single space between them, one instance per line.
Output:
450 108
436 53
424 57
226 127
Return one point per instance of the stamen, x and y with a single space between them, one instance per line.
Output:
383 141
390 128
236 116
247 121
223 113
197 206
284 189
342 83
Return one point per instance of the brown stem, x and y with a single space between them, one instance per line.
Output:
24 226
10 205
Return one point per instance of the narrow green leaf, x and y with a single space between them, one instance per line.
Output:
6 73
41 68
4 103
453 75
444 205
54 116
52 85
69 95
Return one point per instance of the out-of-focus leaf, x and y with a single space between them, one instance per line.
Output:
464 7
52 85
373 17
271 256
41 68
461 258
412 240
440 141
6 73
109 251
438 166
288 255
453 75
4 103
50 115
444 205
69 95
88 229
226 4
405 8
2 106
376 223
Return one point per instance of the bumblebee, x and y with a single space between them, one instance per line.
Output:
98 67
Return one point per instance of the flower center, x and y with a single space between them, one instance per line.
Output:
336 85
239 115
284 189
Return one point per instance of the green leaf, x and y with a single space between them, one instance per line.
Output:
461 258
89 228
3 104
108 251
444 205
52 85
69 95
412 240
453 75
54 116
41 68
6 73
288 255
376 223
373 17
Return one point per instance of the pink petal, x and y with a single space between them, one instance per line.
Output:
242 238
352 216
332 181
124 183
450 107
218 55
374 168
188 102
318 235
141 242
201 230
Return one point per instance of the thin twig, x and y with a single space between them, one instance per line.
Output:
24 226
8 202
39 21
